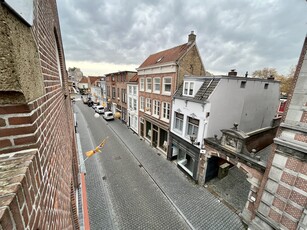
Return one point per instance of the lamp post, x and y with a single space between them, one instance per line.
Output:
193 139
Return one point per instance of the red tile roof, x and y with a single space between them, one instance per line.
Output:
93 79
135 78
165 56
83 80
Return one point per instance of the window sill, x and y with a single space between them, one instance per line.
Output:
177 131
156 92
155 116
182 163
166 93
165 120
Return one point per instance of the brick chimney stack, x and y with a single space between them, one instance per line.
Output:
192 37
232 73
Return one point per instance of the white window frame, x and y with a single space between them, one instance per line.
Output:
166 110
134 90
142 103
147 84
155 84
148 106
130 89
134 106
156 108
179 121
194 126
188 88
164 84
142 84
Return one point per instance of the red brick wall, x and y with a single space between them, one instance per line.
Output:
44 125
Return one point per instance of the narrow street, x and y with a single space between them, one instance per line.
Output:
131 186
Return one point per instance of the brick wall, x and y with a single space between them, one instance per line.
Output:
37 146
282 198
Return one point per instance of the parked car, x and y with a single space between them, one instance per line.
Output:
108 116
99 109
90 103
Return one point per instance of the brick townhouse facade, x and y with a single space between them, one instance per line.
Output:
282 199
159 77
116 85
37 144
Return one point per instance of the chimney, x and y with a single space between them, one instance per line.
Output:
192 37
271 77
232 73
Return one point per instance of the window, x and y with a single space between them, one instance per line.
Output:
157 85
130 89
156 110
266 85
113 78
142 103
134 90
148 84
142 84
148 105
134 104
130 103
165 108
108 91
113 92
125 96
178 121
188 88
243 84
192 126
167 85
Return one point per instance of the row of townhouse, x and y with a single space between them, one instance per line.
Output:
208 124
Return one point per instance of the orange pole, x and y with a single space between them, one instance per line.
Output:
84 204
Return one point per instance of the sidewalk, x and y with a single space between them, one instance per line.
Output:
199 207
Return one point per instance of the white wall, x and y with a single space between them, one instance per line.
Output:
252 107
133 115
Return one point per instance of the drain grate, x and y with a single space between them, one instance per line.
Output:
104 178
140 165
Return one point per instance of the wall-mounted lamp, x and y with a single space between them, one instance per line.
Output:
193 138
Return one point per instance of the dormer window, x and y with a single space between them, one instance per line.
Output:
188 89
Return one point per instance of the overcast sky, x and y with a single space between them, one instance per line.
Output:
105 36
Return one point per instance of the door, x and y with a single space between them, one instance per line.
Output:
155 136
142 129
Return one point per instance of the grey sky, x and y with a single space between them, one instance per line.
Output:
103 36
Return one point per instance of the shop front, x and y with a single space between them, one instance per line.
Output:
187 155
155 133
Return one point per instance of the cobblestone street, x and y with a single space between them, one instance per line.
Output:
131 186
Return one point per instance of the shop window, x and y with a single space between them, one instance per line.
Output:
148 130
163 140
186 162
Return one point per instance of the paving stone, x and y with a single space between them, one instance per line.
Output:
149 197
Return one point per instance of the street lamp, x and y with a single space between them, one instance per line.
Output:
193 139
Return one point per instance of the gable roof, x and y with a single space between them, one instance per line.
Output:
84 80
169 55
92 79
135 78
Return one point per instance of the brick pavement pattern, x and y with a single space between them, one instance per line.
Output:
146 191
